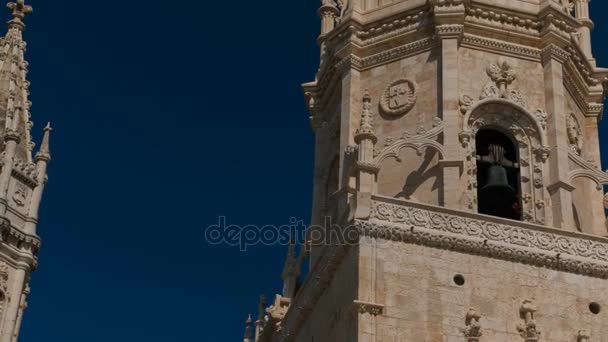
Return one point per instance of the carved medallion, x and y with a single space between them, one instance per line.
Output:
399 97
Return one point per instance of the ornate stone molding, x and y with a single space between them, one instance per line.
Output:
397 53
503 21
498 46
438 227
529 131
363 308
385 30
452 31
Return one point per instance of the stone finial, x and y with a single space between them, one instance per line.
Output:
366 128
503 74
20 10
248 330
45 153
528 329
472 330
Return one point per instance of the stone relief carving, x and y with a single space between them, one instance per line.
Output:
368 308
399 97
418 141
583 336
575 134
472 330
20 194
528 330
421 224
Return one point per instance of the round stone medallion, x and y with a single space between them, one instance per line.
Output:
399 97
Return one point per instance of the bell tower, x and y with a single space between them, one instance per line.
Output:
23 176
457 148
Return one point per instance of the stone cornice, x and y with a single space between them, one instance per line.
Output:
480 235
500 47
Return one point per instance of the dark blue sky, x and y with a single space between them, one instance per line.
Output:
168 115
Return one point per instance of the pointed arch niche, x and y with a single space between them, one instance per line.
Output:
527 130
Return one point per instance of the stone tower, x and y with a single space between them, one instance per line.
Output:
22 177
457 147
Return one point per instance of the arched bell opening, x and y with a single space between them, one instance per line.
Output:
498 175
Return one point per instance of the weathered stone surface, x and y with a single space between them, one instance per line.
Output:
403 89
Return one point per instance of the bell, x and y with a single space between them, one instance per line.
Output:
496 198
497 182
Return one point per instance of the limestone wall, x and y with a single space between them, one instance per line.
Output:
423 303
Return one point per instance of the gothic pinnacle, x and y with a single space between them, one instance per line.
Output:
45 152
248 329
20 10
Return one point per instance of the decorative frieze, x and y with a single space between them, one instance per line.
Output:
472 233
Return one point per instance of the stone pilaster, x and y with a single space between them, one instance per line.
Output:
449 20
559 187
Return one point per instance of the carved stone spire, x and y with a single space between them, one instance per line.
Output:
45 152
15 123
20 10
261 321
248 330
291 271
366 129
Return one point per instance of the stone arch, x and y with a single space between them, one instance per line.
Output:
528 132
419 146
589 174
510 107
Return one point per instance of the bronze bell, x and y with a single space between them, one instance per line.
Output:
497 182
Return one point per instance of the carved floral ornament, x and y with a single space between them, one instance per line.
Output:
399 97
417 223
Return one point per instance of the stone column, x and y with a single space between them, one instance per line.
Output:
450 35
582 14
328 13
559 187
13 306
